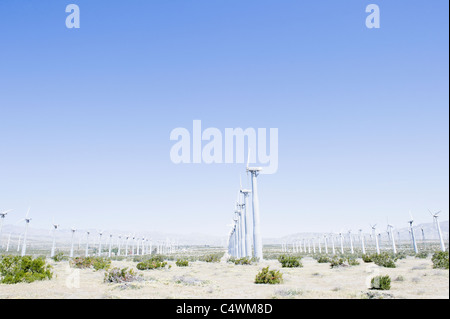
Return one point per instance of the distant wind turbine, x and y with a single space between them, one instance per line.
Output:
55 228
2 217
413 237
257 240
376 238
27 222
436 221
73 230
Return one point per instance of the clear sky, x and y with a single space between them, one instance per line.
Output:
86 114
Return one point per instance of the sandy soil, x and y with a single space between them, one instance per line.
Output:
223 280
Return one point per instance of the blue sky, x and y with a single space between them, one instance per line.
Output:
86 114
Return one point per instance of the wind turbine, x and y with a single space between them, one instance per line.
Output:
413 237
133 238
100 233
257 240
110 245
87 244
319 244
363 247
119 241
242 236
71 242
126 244
27 222
237 235
2 217
377 245
351 242
342 242
18 244
390 230
423 237
248 238
325 244
55 228
435 219
7 244
333 248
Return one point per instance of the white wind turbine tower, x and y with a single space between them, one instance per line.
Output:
133 243
361 237
333 248
257 240
2 217
377 245
436 221
319 244
55 228
7 244
110 245
351 242
240 213
413 237
247 217
342 242
325 243
236 237
87 244
137 245
126 244
18 245
100 233
392 237
423 237
143 246
119 241
238 234
27 222
71 242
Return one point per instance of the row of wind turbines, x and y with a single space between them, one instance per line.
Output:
340 241
241 243
124 245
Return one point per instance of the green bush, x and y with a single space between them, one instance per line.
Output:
322 259
422 255
101 263
381 283
267 276
244 261
117 275
383 259
337 262
182 263
400 255
15 269
352 261
367 258
151 264
91 262
440 260
212 258
59 257
290 261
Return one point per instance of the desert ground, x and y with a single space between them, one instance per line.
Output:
413 278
